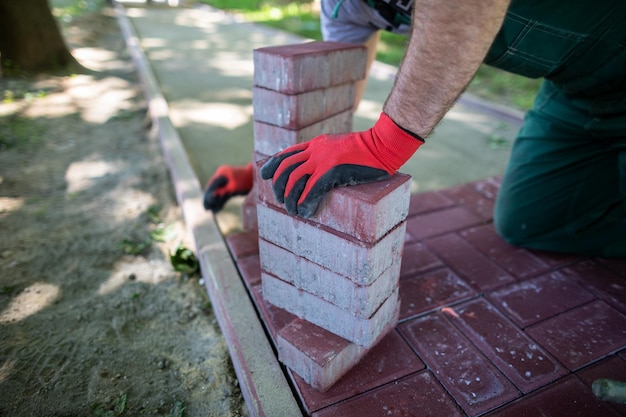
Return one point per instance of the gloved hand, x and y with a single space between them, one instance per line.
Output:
305 172
228 181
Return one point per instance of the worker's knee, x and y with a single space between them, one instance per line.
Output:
512 227
529 223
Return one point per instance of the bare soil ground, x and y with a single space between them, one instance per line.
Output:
94 320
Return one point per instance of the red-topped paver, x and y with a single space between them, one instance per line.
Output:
516 355
604 283
470 264
430 291
390 360
552 294
584 335
485 328
420 392
472 380
421 260
309 66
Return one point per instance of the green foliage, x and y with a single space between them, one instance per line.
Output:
153 213
504 87
391 48
68 9
184 260
115 409
178 410
134 246
10 96
20 132
8 289
163 233
240 5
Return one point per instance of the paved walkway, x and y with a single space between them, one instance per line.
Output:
486 329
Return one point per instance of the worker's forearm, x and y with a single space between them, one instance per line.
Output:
449 41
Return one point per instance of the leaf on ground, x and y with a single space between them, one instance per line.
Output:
153 213
8 289
498 142
134 247
163 233
115 410
184 260
178 409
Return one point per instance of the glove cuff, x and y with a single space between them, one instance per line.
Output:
394 143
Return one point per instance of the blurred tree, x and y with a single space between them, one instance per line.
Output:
30 39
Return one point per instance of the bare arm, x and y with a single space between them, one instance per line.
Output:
449 41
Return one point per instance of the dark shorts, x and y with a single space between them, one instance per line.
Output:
354 21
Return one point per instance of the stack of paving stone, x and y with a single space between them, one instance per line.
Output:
338 271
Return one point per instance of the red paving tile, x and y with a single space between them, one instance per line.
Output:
568 397
537 299
390 360
468 262
439 222
583 335
519 262
310 65
427 202
419 259
515 354
477 197
472 380
616 265
420 393
486 328
602 282
243 244
250 270
431 291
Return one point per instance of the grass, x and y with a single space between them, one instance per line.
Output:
20 132
67 9
301 18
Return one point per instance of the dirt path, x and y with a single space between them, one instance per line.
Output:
87 328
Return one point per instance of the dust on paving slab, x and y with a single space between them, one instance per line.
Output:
94 320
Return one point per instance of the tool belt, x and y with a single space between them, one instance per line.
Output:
396 12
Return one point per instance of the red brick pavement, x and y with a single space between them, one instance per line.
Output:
485 328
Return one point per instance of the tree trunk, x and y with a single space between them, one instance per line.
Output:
30 39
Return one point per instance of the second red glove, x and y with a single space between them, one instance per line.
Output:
228 181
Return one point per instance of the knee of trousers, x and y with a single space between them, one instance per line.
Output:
518 227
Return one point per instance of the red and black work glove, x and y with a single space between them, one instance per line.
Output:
305 172
228 181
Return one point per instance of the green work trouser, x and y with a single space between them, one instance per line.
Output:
565 186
